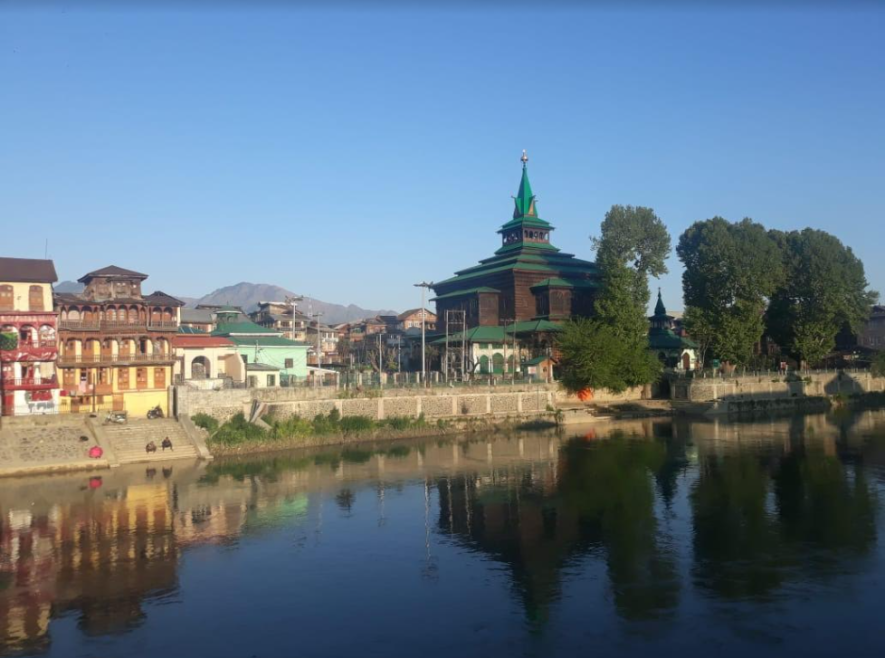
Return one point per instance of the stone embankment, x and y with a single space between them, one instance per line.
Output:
46 444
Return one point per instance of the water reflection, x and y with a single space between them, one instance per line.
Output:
767 506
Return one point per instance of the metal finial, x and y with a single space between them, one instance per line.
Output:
524 157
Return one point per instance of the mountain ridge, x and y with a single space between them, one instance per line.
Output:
247 295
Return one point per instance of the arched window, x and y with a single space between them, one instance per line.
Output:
27 335
73 315
35 298
110 314
121 314
498 363
484 365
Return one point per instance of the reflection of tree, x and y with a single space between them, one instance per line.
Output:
610 489
736 544
744 547
345 499
602 496
820 506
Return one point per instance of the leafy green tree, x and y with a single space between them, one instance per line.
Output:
731 270
825 290
634 236
594 356
879 365
702 331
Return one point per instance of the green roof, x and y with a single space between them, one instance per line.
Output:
557 282
242 327
190 330
532 327
476 335
265 341
524 199
469 291
537 360
665 339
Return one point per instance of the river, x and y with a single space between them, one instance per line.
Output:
737 538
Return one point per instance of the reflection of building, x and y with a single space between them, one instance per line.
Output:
28 341
116 344
673 350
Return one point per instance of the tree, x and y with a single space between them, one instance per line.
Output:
879 365
825 290
701 330
731 270
593 355
635 236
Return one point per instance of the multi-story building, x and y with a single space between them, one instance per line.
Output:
412 319
28 339
872 336
280 316
115 344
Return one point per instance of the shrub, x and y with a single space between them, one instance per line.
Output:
354 424
8 341
205 421
236 431
878 367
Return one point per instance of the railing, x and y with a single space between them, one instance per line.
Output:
31 346
73 359
118 325
30 383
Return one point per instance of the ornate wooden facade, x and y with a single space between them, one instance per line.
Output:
115 345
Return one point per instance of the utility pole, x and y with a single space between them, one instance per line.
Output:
424 285
506 321
380 360
293 300
319 348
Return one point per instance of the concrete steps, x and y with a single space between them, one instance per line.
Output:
129 440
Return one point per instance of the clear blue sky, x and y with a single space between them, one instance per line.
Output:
348 154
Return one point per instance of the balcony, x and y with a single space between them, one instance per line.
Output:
38 350
29 383
113 359
118 326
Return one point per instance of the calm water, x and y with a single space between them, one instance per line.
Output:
741 539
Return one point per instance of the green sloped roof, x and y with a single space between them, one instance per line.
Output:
476 335
532 327
242 327
190 330
667 340
469 291
265 341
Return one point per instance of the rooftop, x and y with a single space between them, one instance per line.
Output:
27 270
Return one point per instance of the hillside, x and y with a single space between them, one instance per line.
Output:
247 295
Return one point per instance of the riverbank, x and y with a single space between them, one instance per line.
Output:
330 432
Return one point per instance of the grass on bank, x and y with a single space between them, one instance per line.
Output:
239 431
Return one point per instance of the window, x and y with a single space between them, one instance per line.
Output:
123 379
245 358
7 300
159 377
35 298
290 363
141 377
271 380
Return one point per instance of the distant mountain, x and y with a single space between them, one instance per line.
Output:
247 295
68 286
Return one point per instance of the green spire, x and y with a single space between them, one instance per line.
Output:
524 200
659 307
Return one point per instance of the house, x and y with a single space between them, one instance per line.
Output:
412 319
201 319
205 358
115 344
673 350
260 345
283 317
328 340
28 338
872 336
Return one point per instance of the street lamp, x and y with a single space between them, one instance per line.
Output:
424 285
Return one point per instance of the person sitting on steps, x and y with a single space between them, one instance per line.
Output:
167 444
150 447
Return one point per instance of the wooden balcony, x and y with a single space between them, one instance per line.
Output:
118 326
29 383
43 350
113 359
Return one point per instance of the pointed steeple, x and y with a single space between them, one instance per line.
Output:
660 310
524 199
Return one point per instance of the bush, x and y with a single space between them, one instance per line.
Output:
353 424
237 431
879 365
205 421
8 341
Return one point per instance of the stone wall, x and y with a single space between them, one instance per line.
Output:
442 404
773 386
